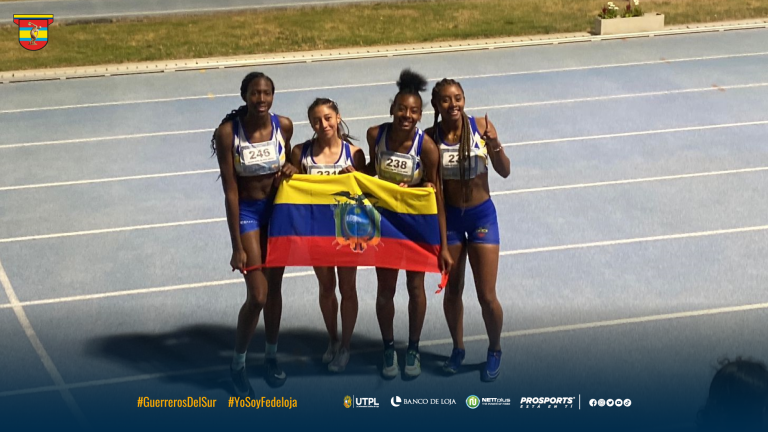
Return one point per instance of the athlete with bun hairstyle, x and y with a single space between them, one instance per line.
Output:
401 153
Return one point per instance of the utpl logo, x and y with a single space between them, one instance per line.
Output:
366 403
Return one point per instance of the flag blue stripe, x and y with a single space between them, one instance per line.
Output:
317 220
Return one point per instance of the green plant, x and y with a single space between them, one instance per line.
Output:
633 9
609 11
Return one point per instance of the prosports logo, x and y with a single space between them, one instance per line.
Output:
33 30
549 402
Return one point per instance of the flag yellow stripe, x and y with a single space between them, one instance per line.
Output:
306 189
26 34
32 16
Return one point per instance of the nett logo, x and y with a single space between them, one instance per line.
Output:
473 402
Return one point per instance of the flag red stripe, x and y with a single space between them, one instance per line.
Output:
324 251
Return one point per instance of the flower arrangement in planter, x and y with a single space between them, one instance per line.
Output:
632 19
609 11
633 9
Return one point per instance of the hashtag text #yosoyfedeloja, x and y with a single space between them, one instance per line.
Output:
248 402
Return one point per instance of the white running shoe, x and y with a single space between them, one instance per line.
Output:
389 368
339 362
412 363
330 353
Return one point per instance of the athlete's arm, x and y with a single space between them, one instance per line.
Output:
358 160
370 136
430 158
295 158
288 169
223 140
499 159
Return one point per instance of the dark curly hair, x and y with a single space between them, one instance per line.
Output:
242 110
738 397
410 83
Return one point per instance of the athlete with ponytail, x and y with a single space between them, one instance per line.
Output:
466 144
251 144
329 152
402 154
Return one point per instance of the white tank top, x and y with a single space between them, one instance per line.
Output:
396 167
255 159
312 167
449 156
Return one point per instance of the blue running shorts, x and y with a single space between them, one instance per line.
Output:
476 224
254 214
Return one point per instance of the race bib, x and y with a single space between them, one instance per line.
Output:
397 163
324 169
259 154
450 164
450 158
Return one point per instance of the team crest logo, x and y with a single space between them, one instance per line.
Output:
33 30
347 401
481 232
358 224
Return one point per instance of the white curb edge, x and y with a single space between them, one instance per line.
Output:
353 53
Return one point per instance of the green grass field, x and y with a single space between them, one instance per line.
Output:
310 28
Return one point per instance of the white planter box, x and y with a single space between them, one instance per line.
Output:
647 22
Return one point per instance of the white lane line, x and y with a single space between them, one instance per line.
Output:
310 273
639 133
609 323
106 180
621 96
39 348
630 181
425 113
508 192
147 290
108 138
383 83
636 240
111 230
103 104
438 342
497 193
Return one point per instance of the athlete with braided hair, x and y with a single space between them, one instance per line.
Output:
251 144
402 154
330 152
466 144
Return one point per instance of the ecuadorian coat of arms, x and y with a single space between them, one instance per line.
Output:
358 223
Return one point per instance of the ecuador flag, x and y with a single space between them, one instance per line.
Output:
353 220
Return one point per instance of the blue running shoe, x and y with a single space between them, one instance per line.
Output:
452 365
275 375
492 367
240 382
